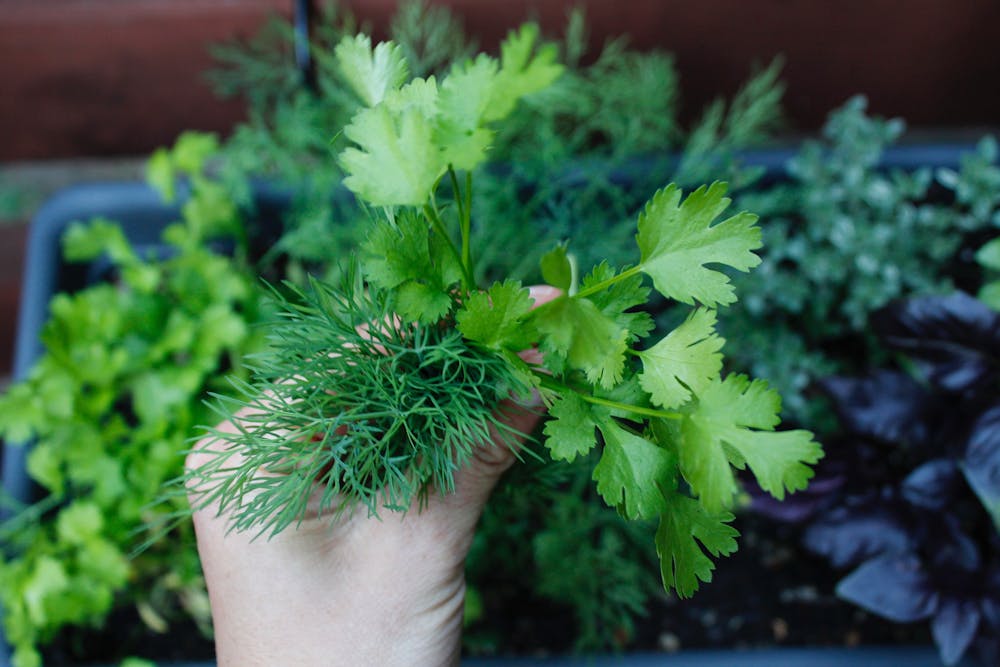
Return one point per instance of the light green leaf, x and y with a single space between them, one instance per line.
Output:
685 361
633 473
48 579
495 318
79 522
619 300
590 340
396 162
371 73
21 414
683 562
990 294
559 269
523 70
85 242
192 150
160 174
733 422
464 96
677 240
989 255
571 429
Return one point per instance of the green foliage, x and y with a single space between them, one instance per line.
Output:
376 392
606 108
109 408
843 238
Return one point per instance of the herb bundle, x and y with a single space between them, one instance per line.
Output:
376 389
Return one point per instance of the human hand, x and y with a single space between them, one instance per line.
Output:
356 590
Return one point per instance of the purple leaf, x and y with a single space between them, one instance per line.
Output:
886 406
953 627
982 461
848 536
933 484
892 586
954 337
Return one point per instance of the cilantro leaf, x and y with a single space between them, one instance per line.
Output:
84 242
192 150
559 269
683 563
160 174
465 93
495 318
685 361
571 428
371 73
633 472
678 239
408 257
523 70
733 422
397 162
590 340
616 300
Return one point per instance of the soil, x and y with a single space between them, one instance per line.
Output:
769 594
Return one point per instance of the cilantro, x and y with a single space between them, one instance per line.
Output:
685 361
678 239
496 318
425 354
371 73
732 421
588 339
572 429
633 472
397 162
683 563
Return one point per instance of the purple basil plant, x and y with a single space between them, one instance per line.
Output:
909 497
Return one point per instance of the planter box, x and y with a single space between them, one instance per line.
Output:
143 215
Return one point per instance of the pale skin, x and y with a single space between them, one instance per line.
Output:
388 591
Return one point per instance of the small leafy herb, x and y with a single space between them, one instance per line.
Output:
376 389
109 408
843 238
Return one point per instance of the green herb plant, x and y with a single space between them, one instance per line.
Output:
110 407
843 237
376 388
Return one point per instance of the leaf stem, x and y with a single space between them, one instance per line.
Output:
464 217
431 213
604 284
549 382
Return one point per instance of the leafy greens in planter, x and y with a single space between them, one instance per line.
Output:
110 407
912 490
376 388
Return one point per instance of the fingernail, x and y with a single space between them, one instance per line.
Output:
544 292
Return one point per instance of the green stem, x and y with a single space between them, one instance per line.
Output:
430 211
464 219
604 284
549 382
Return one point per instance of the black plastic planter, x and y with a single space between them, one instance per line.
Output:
143 215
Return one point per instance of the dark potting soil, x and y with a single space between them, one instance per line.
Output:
771 593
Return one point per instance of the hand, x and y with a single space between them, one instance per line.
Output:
363 591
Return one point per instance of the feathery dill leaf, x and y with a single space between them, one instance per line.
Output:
352 405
